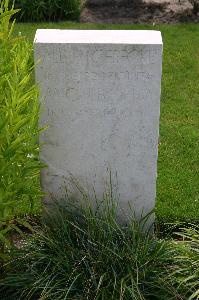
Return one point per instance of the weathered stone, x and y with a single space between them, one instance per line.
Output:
100 93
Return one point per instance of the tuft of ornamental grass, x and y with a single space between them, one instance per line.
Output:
186 271
83 253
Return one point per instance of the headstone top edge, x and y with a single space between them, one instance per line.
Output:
72 36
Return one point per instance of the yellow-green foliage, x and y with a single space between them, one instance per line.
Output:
19 111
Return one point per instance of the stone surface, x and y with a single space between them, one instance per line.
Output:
100 95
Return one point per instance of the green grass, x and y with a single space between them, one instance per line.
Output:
178 164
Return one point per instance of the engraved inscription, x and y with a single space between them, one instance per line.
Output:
128 55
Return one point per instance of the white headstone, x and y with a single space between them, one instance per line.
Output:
100 95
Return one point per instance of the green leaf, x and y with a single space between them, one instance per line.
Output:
25 224
21 123
15 145
8 14
3 123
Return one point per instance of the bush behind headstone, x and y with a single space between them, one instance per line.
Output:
48 10
195 4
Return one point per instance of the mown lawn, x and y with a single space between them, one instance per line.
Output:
178 164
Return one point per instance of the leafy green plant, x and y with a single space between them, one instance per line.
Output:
48 10
83 253
19 112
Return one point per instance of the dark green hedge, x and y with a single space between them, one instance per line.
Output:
48 10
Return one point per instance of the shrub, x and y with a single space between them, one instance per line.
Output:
19 111
48 10
87 255
195 4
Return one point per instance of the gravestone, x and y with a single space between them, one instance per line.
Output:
100 96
